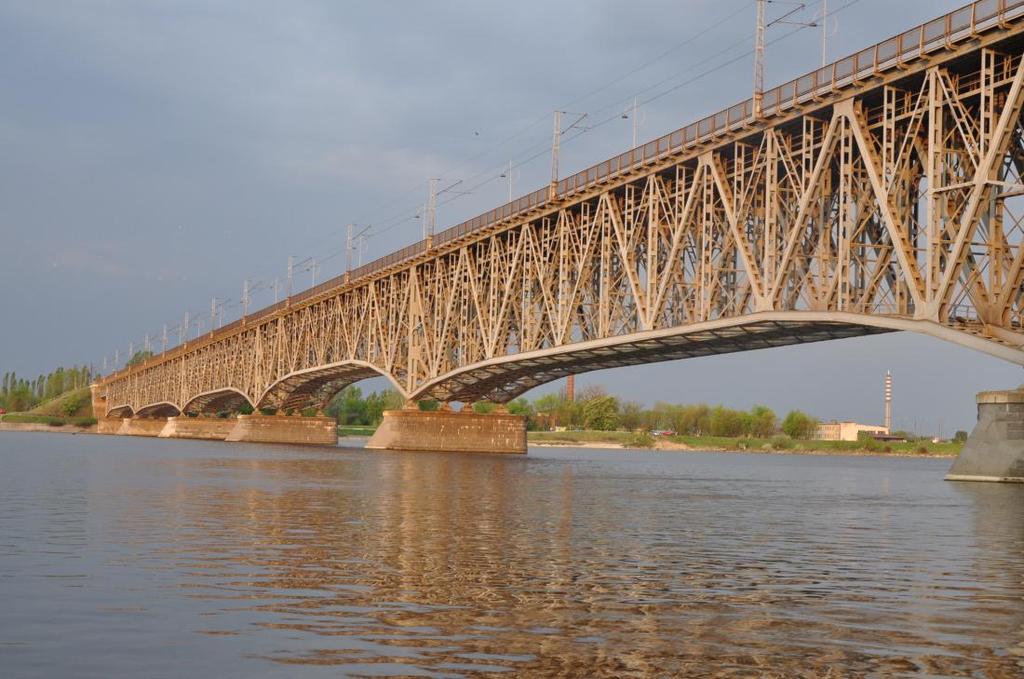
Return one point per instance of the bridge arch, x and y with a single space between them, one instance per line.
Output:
503 378
162 409
123 410
217 400
315 387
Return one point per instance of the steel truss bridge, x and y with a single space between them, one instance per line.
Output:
881 193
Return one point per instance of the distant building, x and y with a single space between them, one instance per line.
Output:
848 431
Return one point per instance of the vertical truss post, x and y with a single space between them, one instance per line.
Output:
934 172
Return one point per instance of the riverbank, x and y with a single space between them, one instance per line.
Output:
629 441
48 428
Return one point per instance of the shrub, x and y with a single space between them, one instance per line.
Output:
245 409
309 412
268 411
642 439
71 405
223 414
922 450
782 442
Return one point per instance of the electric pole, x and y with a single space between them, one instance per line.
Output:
824 32
556 139
759 60
431 216
291 263
348 249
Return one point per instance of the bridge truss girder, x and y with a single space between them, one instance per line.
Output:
900 206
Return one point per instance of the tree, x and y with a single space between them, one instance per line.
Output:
762 422
376 404
601 413
521 406
960 436
631 415
348 406
799 425
727 422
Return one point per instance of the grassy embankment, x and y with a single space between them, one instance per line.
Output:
55 411
777 444
356 430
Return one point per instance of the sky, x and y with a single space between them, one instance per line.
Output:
154 154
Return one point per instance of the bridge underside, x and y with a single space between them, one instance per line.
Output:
120 411
159 410
504 381
315 388
217 401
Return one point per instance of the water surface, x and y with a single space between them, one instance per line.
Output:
132 557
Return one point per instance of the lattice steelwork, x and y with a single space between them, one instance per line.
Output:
880 193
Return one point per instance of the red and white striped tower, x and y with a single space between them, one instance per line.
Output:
888 401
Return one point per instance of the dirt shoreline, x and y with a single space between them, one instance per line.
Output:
672 447
35 426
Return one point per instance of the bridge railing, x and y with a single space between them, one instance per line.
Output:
945 31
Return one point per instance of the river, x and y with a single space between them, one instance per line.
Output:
141 557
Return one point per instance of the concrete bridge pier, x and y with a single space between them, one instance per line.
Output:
448 431
995 449
319 431
201 428
142 426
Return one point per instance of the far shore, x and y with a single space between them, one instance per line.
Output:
779 445
672 447
606 441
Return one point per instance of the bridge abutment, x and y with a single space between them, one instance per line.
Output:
447 431
995 449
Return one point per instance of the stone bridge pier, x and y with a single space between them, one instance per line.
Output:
995 449
448 431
